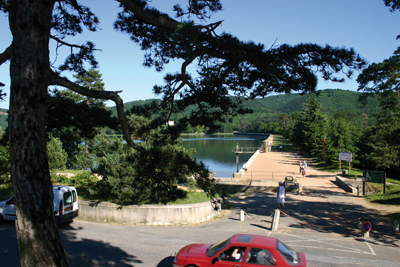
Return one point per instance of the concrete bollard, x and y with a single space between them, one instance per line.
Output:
395 226
275 220
365 234
241 215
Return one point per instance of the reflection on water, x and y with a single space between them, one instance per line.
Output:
216 151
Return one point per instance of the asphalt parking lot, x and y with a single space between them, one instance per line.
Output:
97 244
322 223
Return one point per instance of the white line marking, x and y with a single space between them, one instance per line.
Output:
330 244
335 249
370 248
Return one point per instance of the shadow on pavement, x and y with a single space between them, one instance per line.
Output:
87 252
168 261
8 245
339 217
79 252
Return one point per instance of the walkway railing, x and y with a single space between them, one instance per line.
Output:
255 175
245 149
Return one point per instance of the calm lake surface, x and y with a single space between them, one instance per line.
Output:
216 151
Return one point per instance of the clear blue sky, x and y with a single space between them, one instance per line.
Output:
366 25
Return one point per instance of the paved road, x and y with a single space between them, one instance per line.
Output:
321 223
96 244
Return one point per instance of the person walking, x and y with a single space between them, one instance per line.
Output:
244 167
301 167
304 171
280 196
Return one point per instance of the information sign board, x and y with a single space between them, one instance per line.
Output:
374 176
346 156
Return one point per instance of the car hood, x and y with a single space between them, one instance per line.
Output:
194 249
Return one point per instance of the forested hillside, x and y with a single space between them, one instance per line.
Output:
266 111
332 101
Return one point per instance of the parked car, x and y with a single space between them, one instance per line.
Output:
240 250
65 204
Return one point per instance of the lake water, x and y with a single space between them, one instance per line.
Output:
216 151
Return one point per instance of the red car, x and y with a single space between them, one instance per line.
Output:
240 251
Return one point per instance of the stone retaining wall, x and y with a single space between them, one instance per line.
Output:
346 185
156 215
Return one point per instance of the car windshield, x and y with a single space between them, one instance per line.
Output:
291 256
211 251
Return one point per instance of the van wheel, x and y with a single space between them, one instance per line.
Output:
1 219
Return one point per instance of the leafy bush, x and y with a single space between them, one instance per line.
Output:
83 179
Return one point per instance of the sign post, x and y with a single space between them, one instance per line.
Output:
365 228
346 156
376 177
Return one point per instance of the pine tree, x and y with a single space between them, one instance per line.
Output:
342 135
310 128
57 155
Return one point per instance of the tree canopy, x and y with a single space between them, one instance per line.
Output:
382 143
224 66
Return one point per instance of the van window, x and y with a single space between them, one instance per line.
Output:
74 196
67 198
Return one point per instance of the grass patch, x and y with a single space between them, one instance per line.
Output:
392 181
191 198
392 196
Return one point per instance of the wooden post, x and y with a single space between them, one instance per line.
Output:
384 182
237 162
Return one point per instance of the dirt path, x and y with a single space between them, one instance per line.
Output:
317 185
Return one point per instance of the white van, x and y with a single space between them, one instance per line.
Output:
65 205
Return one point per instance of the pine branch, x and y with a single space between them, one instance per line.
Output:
6 55
110 95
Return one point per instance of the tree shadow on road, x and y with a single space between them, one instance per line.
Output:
82 253
322 216
87 252
166 262
340 218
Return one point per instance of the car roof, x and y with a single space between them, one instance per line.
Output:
254 240
63 187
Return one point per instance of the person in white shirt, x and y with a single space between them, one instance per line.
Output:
280 195
304 169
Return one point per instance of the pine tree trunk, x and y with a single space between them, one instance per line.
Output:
39 242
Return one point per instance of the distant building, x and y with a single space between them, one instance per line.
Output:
170 123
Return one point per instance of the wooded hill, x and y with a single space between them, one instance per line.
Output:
332 101
266 111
